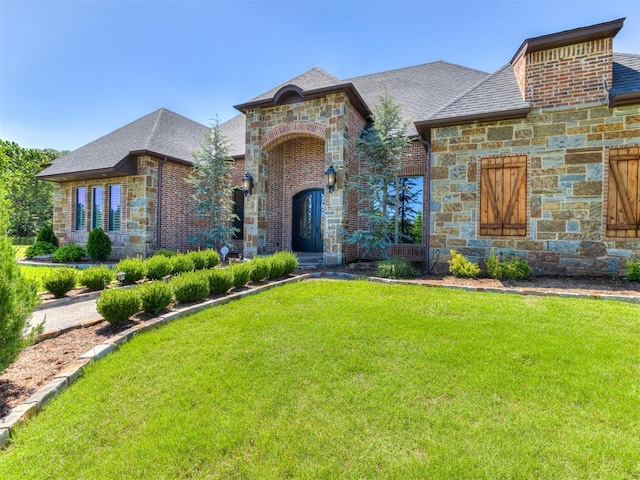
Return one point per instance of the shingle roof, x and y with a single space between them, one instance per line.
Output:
310 80
234 131
626 73
162 132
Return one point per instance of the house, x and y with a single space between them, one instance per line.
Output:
539 159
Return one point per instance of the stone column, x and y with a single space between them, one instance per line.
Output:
255 207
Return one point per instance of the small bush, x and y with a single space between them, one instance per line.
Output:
23 240
211 258
98 245
155 296
276 267
198 258
158 267
181 264
396 268
97 278
240 273
633 270
60 280
117 306
68 253
289 260
164 252
39 248
511 269
260 268
45 234
190 286
461 267
135 269
220 281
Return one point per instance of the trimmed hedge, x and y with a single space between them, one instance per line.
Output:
135 269
190 286
155 296
241 274
211 258
59 281
260 268
97 278
158 267
39 248
117 306
220 281
181 264
68 253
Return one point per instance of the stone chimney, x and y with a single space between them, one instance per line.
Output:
568 68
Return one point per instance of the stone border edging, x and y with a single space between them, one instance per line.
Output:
36 402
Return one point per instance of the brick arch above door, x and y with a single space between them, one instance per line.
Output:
286 131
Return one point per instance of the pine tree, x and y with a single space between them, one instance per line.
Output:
380 149
212 199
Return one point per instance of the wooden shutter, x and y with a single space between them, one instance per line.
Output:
623 196
503 196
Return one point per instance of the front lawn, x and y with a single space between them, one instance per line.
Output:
329 379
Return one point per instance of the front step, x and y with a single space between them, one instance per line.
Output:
308 261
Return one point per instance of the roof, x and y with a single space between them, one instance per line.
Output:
626 79
162 132
310 80
497 95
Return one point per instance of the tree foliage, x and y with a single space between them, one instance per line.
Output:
212 199
30 201
380 149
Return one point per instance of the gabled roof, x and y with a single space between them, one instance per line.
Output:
496 96
626 79
234 131
309 80
163 133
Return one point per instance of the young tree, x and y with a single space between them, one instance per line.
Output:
212 199
380 150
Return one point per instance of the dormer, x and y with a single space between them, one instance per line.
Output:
567 68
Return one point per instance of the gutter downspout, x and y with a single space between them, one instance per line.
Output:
159 205
427 219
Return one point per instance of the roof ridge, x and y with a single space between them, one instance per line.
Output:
444 62
469 90
160 112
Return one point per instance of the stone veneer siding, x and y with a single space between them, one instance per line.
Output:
567 180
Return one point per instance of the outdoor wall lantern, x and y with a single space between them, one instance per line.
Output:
247 183
121 276
332 177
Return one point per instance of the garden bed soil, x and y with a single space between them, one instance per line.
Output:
38 364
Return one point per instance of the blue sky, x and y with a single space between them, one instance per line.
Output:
72 71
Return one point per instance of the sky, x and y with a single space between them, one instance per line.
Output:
73 71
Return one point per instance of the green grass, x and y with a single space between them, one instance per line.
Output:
340 380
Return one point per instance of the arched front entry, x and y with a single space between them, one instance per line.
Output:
308 228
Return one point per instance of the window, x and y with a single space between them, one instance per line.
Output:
408 221
503 196
623 195
238 209
96 211
114 208
81 208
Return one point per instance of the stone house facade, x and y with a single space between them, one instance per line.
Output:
522 160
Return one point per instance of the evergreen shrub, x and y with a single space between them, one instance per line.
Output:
158 267
190 286
240 273
220 281
60 280
97 278
633 270
155 296
117 306
45 234
181 264
198 258
164 252
135 269
462 267
396 268
98 245
68 253
511 269
39 248
211 258
289 260
260 268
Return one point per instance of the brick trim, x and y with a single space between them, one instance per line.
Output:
280 133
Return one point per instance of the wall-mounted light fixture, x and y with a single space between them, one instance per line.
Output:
332 177
247 183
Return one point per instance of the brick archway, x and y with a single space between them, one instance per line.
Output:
285 131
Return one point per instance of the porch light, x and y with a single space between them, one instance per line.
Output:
121 276
247 183
331 175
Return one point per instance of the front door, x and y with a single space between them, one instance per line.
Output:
308 212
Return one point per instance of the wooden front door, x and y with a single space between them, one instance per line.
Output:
308 213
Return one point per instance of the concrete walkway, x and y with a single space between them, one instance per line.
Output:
65 316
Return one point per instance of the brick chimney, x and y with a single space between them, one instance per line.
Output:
567 68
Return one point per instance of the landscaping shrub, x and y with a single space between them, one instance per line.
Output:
39 248
396 268
190 286
155 296
158 267
461 267
45 234
97 278
135 269
117 306
289 260
260 268
511 269
198 258
276 267
211 258
68 253
633 270
17 298
164 252
60 280
23 240
220 281
240 274
98 245
181 264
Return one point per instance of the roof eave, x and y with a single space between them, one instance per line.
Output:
622 99
127 166
478 117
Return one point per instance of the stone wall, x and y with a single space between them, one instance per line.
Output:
567 164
